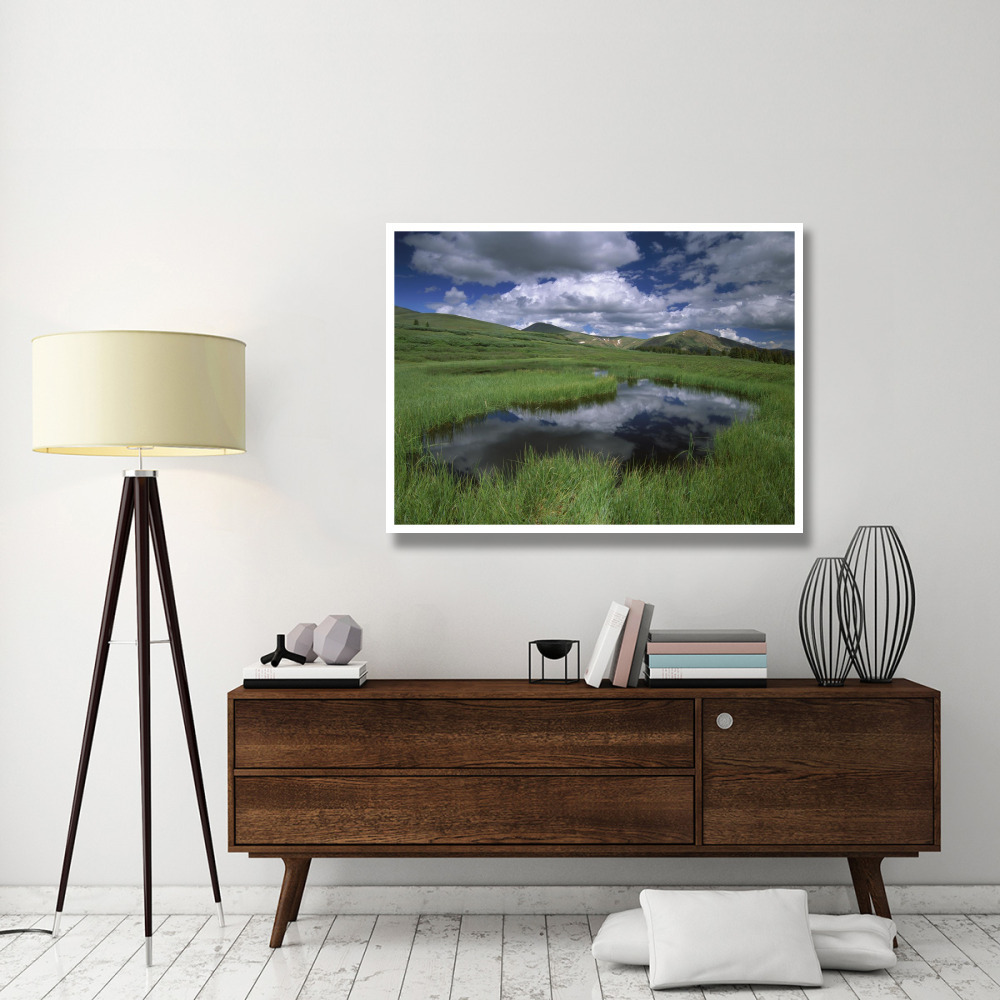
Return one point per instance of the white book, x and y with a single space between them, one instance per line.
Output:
306 671
608 639
707 673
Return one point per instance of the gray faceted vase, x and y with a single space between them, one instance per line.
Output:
337 639
300 640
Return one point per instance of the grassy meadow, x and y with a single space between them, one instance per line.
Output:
449 369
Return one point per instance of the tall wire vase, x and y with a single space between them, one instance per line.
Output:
889 597
830 615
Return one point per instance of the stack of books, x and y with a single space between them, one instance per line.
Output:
306 675
620 651
724 657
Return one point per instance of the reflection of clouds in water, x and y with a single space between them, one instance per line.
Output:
643 422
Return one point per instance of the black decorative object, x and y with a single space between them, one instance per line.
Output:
889 597
279 653
830 616
554 649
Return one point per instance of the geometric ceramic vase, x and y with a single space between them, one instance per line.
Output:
830 620
337 639
889 597
300 640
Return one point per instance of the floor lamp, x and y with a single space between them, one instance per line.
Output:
139 393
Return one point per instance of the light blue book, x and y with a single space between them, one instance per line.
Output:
717 661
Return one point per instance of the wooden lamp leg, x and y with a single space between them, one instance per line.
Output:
125 513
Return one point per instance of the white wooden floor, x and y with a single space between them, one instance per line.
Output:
432 958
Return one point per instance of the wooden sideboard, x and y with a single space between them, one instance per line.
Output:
463 768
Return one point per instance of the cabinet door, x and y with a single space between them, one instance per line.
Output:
819 772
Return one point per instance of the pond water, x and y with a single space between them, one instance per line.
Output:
646 422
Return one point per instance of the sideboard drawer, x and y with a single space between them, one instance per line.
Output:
458 809
449 733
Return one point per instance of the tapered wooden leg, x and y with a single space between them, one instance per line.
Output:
141 541
125 512
296 871
297 901
180 673
866 873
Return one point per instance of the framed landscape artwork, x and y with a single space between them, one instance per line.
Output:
594 378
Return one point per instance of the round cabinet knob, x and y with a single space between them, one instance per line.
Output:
724 720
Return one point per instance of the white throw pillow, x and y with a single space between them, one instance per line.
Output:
623 938
859 942
714 936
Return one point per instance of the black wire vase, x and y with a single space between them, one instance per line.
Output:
830 615
889 597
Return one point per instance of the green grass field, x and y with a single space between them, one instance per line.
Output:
449 369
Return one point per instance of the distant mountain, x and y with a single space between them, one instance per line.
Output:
699 342
549 328
689 342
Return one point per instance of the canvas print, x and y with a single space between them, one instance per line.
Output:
594 378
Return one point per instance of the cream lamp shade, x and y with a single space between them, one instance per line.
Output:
114 392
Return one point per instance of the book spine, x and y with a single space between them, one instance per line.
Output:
700 648
707 635
294 682
695 673
630 639
707 660
607 642
639 656
706 683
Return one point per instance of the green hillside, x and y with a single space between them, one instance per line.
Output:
436 336
689 342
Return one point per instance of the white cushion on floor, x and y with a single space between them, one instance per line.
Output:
859 942
717 936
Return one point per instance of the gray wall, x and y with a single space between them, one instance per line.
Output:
229 168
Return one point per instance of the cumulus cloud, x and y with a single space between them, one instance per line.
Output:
607 303
492 258
743 279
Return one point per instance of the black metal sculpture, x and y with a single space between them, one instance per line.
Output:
279 653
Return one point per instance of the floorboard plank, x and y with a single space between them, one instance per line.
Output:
58 961
380 975
233 978
134 980
26 948
572 969
333 973
287 969
103 963
195 965
980 948
834 987
432 958
525 973
915 977
947 960
479 958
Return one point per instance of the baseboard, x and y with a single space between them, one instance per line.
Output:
459 899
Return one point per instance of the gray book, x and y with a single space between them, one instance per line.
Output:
638 657
706 635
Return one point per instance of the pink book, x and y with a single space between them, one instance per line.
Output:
706 647
630 636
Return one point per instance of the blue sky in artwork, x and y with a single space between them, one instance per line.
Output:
736 284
